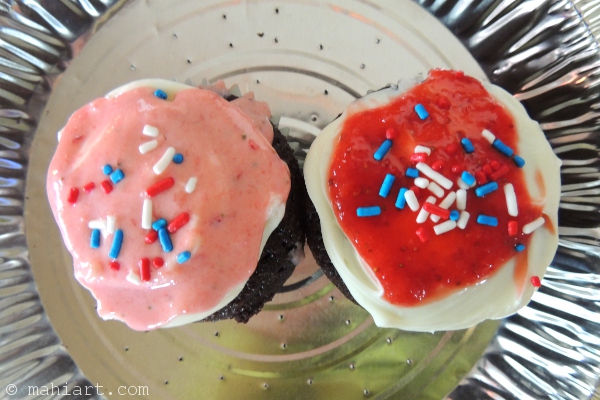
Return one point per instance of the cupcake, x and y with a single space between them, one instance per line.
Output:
433 204
177 204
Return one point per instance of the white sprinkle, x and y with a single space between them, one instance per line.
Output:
423 149
421 182
461 199
147 146
435 189
164 161
133 278
463 219
462 184
489 136
446 203
533 225
411 200
511 200
150 130
423 214
434 175
444 227
147 214
97 224
191 184
111 224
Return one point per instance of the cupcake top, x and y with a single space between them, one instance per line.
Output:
165 195
438 202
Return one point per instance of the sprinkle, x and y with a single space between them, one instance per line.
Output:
159 224
461 184
400 200
390 133
489 136
451 148
144 266
411 200
480 177
435 176
97 224
107 169
111 224
495 165
165 240
183 257
160 186
488 220
422 234
457 168
487 169
502 148
117 176
115 248
133 278
421 111
437 165
178 158
368 211
519 162
386 186
422 149
424 213
421 182
95 239
150 130
158 262
164 161
461 199
499 173
160 94
446 203
73 194
519 247
513 228
467 145
418 157
454 215
147 146
511 200
437 210
151 237
412 173
486 189
382 150
463 219
147 214
106 186
535 281
178 222
444 227
114 265
468 178
533 225
89 187
190 186
435 189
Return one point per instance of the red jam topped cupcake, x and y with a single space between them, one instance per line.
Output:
440 191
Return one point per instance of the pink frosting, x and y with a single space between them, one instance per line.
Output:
239 180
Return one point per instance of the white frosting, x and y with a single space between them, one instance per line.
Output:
495 297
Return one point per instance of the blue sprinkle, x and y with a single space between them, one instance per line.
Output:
485 189
487 220
382 150
165 240
159 224
368 211
107 169
116 176
115 248
519 161
401 201
183 257
386 186
454 215
95 239
178 158
412 172
520 247
502 148
467 145
467 178
160 94
421 111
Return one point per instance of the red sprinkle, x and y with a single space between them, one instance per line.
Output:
513 228
144 265
480 177
158 262
436 210
151 236
495 165
115 266
452 148
390 133
437 165
418 157
73 194
499 173
457 169
535 281
487 168
178 222
423 235
89 187
106 186
160 186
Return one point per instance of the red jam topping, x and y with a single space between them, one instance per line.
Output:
413 263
